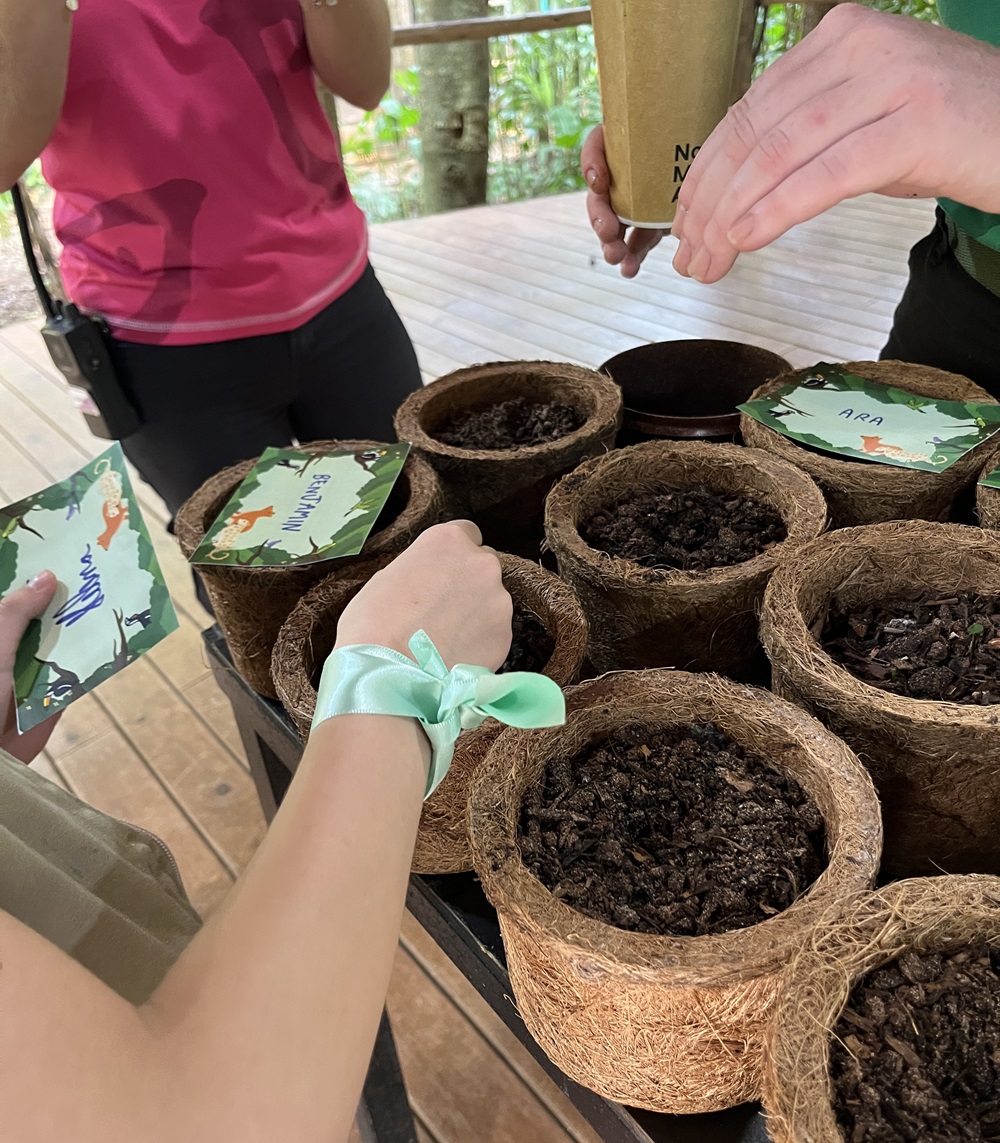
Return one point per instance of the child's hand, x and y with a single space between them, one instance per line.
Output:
445 583
17 609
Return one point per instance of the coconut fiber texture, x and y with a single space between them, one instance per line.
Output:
936 764
933 914
988 501
862 492
251 604
308 637
504 490
672 1024
650 617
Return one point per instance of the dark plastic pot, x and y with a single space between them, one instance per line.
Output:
688 390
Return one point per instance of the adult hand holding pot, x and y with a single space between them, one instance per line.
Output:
867 102
611 231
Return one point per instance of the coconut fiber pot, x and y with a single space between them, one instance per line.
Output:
933 914
672 1024
688 390
504 490
648 617
251 604
936 764
308 637
988 501
861 492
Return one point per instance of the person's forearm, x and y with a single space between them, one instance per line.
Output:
350 45
263 1028
34 56
276 1003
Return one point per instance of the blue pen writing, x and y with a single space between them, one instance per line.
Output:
87 599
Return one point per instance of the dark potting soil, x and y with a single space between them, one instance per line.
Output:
517 423
688 528
531 646
676 831
916 1054
935 647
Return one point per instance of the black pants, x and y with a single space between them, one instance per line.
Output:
341 375
945 318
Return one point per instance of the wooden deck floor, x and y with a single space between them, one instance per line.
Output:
157 745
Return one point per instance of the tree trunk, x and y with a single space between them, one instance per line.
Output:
746 50
454 110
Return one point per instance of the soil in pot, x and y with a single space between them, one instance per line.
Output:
531 646
675 831
944 648
688 528
517 423
916 1054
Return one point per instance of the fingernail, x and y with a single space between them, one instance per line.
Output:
591 176
677 227
597 223
682 256
39 578
699 264
741 229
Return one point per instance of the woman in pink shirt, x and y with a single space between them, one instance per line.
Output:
205 215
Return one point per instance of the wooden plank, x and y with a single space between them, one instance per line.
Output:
487 27
47 396
452 1072
108 773
450 980
81 722
767 280
215 793
44 765
208 700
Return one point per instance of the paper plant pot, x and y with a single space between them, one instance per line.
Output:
666 68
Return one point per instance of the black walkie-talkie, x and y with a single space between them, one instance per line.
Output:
77 345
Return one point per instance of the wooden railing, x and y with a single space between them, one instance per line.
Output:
490 27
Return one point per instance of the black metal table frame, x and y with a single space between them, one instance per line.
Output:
453 910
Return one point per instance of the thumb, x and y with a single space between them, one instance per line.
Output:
17 609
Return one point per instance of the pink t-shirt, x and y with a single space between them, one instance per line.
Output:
199 191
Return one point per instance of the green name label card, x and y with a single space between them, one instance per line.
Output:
849 416
111 605
299 507
992 479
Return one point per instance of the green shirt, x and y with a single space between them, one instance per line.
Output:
979 18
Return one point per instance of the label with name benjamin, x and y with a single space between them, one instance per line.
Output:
111 604
300 507
852 417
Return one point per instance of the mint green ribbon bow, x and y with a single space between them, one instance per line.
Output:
366 679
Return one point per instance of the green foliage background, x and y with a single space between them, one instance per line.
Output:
543 101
